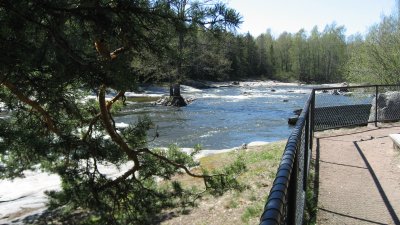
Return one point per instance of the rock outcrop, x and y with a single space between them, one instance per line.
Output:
388 107
344 87
177 101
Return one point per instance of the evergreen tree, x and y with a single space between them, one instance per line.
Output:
207 57
262 59
192 16
54 54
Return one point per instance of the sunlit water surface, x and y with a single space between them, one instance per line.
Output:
223 117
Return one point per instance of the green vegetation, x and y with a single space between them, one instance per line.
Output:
321 56
239 206
374 59
311 204
56 52
251 212
316 56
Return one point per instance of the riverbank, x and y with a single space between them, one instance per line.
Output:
234 207
23 199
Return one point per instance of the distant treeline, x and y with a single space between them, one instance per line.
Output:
311 57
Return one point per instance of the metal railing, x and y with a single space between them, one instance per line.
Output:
326 108
285 204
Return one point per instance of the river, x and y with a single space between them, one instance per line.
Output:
223 117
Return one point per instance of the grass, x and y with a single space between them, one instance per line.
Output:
251 212
235 207
232 204
311 198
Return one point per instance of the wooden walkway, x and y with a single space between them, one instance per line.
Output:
358 174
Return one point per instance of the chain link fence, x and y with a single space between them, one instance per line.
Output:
326 108
355 106
286 201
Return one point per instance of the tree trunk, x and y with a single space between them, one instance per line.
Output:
175 96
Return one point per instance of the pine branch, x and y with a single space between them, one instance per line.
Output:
107 121
36 106
121 94
120 179
187 171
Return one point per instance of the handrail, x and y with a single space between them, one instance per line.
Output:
275 211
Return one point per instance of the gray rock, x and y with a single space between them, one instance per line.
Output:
344 88
162 101
297 112
293 120
388 107
177 101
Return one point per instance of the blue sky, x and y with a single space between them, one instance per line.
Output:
292 15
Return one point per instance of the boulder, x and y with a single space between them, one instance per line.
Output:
177 101
293 120
297 112
341 90
344 87
162 101
246 93
388 107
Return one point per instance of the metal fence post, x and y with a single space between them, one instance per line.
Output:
312 111
376 106
306 148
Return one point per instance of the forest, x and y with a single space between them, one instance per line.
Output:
325 56
56 53
316 56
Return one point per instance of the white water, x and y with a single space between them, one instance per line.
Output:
23 197
219 119
225 117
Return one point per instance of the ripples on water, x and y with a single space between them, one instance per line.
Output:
224 117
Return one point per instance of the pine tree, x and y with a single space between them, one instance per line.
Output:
54 53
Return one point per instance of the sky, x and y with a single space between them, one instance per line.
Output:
292 15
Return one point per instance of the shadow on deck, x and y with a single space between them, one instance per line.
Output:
357 176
